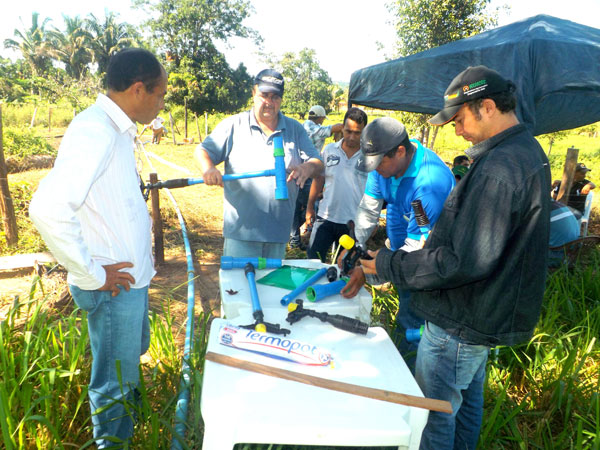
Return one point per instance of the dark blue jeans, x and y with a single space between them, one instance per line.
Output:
324 234
300 213
452 370
406 319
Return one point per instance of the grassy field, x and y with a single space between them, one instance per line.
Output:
544 394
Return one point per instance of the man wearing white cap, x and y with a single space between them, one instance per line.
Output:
317 132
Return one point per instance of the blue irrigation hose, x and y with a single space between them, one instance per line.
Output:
181 410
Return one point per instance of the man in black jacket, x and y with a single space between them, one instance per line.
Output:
479 280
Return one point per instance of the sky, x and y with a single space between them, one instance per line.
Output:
344 33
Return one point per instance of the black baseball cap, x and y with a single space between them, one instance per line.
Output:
378 138
269 80
580 167
471 84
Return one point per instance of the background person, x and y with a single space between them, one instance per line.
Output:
255 223
342 184
580 188
317 132
477 281
90 211
157 129
564 228
460 166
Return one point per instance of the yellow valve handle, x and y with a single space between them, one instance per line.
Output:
261 328
347 242
292 307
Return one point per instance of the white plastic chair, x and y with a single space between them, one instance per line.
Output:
585 218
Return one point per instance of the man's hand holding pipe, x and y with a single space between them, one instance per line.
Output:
357 275
210 174
213 177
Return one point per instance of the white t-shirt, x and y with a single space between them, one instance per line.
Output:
344 184
157 123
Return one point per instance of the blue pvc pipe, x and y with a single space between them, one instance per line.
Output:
414 334
181 410
236 176
286 299
251 276
232 262
281 192
321 291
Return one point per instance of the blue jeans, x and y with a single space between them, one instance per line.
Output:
300 212
406 319
251 249
452 370
119 330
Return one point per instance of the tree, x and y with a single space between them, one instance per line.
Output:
306 83
72 48
553 138
31 43
228 91
108 37
186 31
15 83
425 24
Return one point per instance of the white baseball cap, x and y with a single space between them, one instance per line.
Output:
317 111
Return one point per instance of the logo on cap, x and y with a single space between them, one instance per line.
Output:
270 79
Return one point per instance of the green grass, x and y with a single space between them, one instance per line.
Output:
540 395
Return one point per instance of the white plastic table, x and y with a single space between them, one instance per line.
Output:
235 295
245 407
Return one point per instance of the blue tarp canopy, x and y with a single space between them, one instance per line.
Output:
555 64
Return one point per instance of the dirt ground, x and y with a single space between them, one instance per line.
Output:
202 209
202 212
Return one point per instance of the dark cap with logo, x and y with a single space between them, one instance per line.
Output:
471 84
269 80
378 138
580 167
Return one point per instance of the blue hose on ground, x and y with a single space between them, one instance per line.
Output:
181 410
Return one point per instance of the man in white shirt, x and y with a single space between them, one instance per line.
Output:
157 129
90 211
342 184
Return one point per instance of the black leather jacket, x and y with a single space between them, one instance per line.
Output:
481 275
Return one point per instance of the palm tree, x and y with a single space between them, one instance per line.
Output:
72 48
108 38
32 45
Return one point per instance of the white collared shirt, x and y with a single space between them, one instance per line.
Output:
89 209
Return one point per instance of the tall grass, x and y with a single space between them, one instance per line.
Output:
540 395
45 367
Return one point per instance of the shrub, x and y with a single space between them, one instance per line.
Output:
21 143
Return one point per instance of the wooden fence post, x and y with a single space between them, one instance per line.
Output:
33 117
7 208
568 172
159 248
198 128
185 114
172 128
